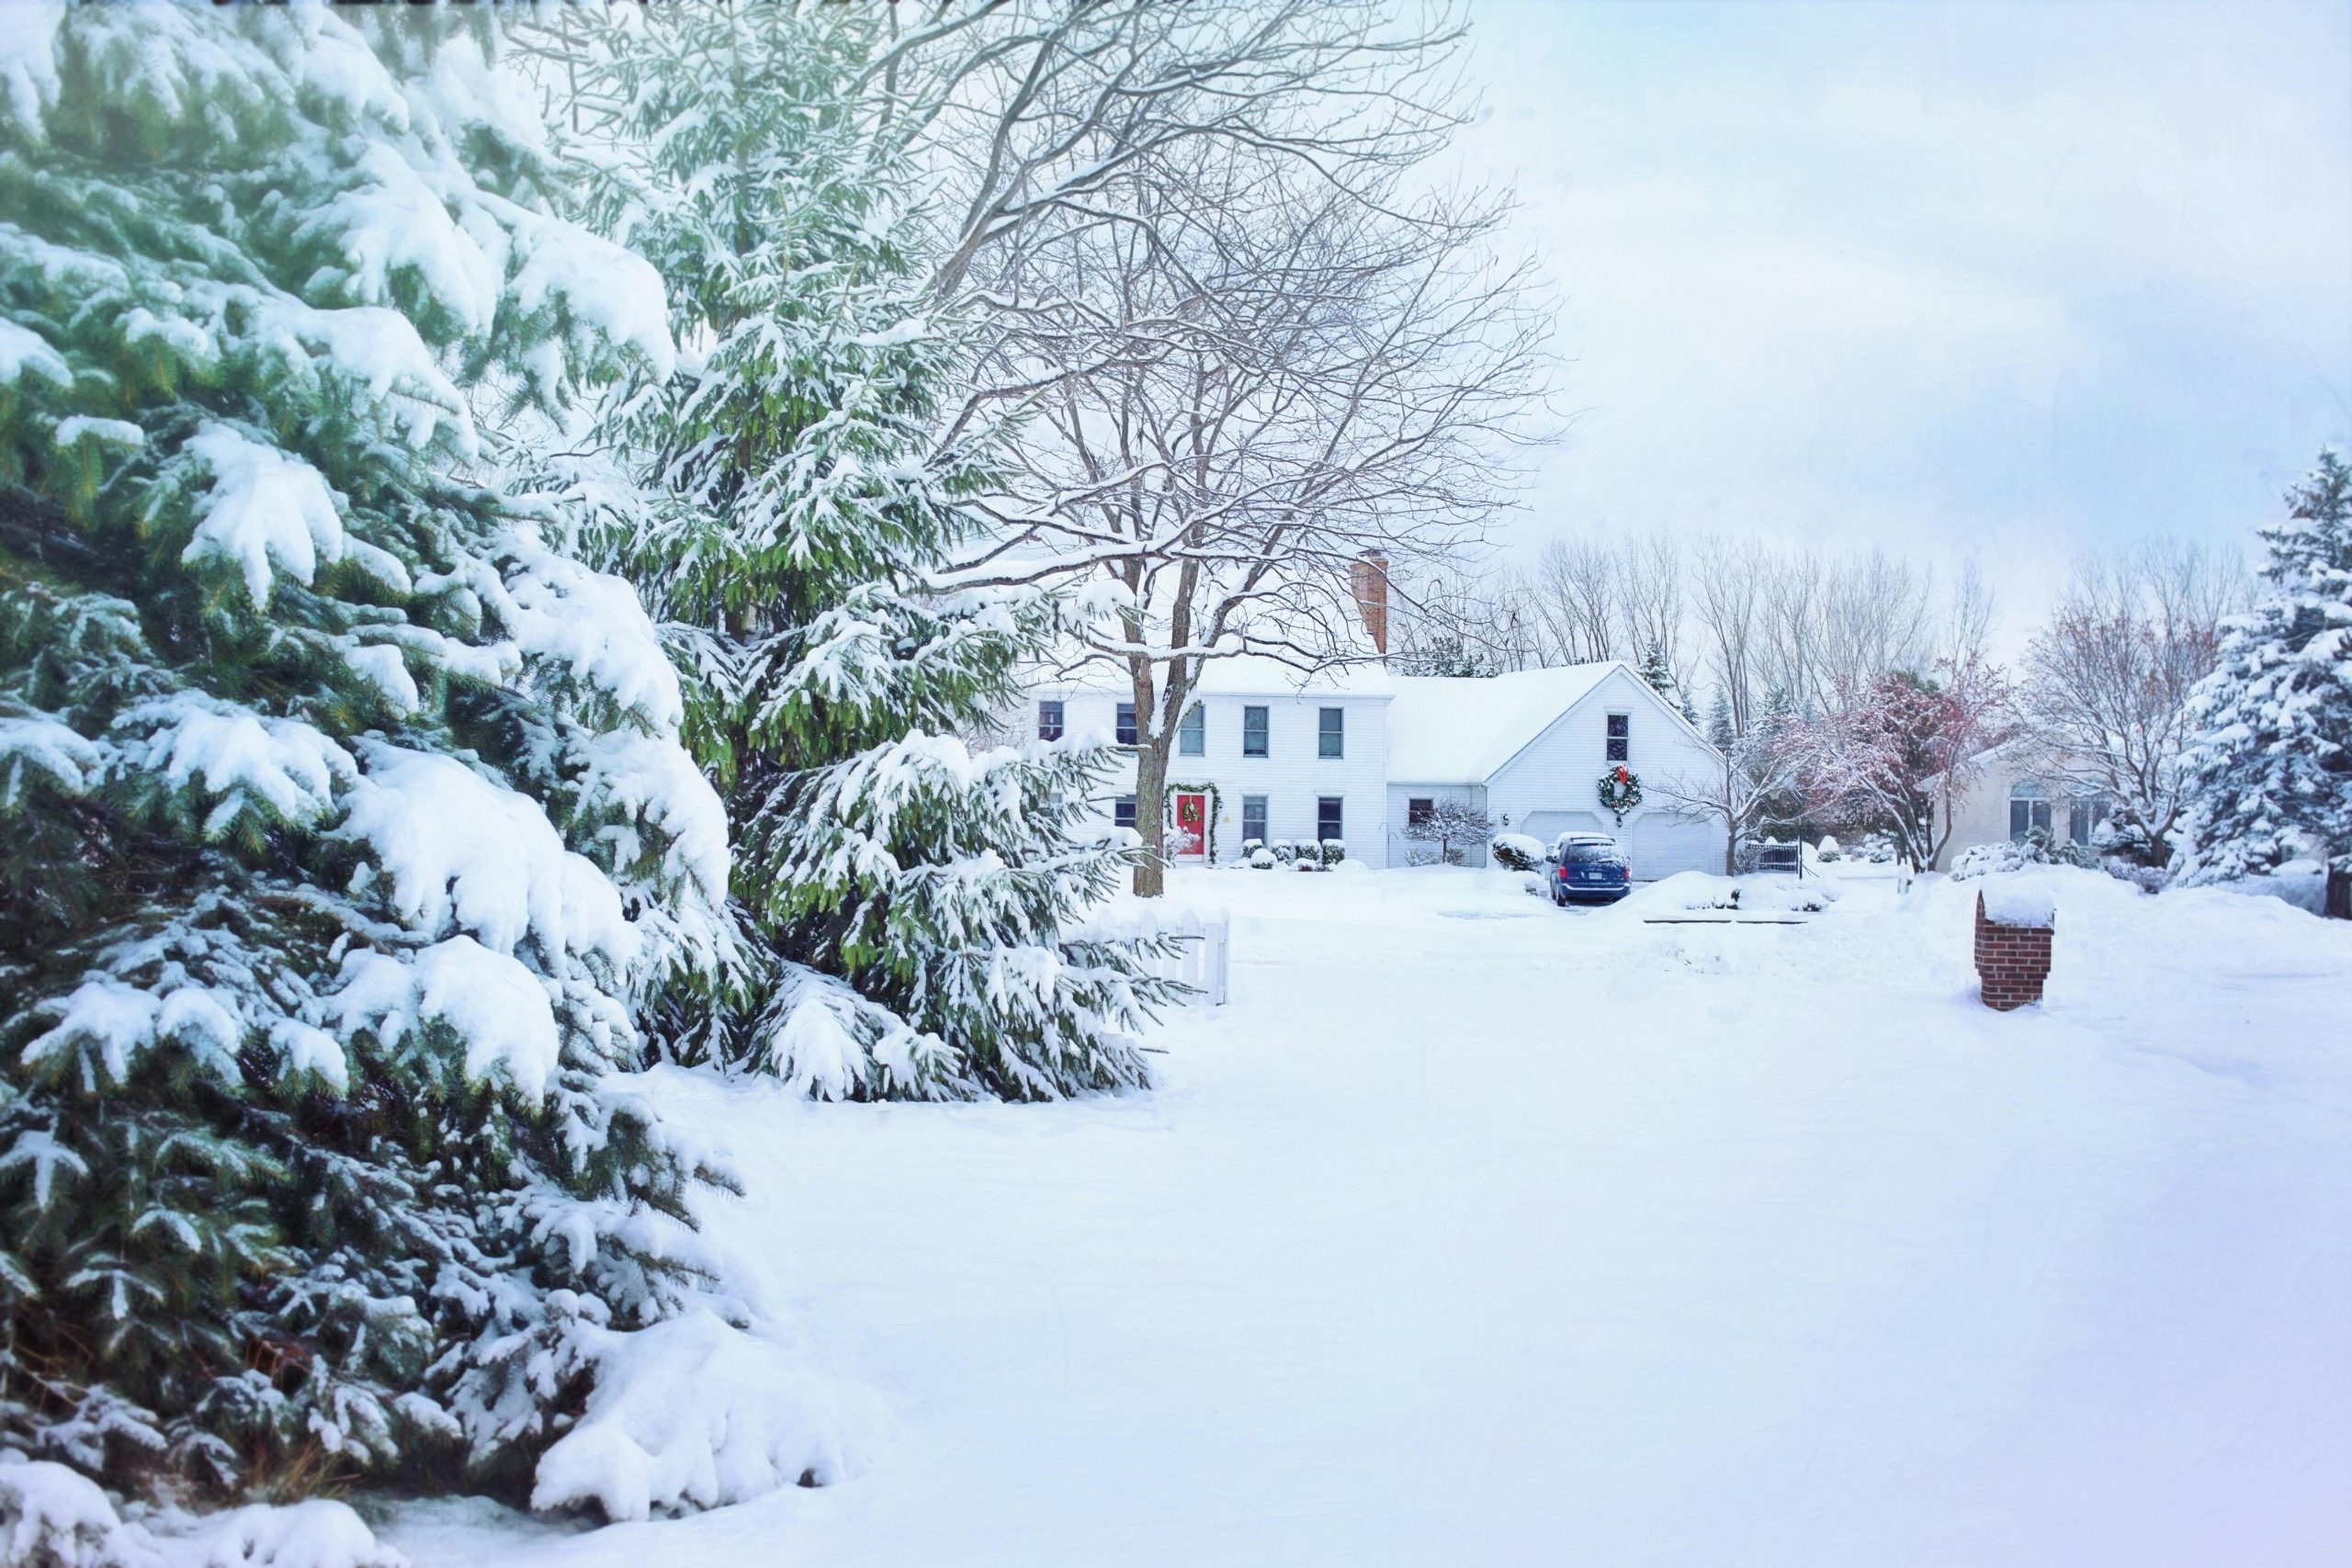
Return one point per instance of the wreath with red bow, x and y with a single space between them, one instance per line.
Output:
1621 791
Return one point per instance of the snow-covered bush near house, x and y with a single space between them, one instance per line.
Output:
1284 851
799 470
1262 859
1249 847
345 822
1516 852
2011 855
1699 890
1828 849
1334 851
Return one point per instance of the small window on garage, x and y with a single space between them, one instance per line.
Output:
1418 809
1621 736
1049 721
1127 724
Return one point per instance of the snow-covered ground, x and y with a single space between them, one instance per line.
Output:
1474 1231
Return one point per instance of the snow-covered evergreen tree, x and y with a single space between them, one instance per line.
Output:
1658 671
2273 770
343 815
904 894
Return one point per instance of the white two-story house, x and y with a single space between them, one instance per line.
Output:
1266 752
1358 754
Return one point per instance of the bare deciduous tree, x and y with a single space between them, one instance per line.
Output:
1750 773
1271 382
1900 749
2106 681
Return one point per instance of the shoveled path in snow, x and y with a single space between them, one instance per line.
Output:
1476 1232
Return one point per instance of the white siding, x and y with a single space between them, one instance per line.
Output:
1555 779
1290 776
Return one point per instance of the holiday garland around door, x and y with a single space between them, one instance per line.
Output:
1621 791
1211 809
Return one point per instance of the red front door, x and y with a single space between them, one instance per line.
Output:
1192 825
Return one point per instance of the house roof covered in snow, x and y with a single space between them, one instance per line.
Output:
1461 730
1243 675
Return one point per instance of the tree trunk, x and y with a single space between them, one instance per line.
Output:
1151 817
2337 906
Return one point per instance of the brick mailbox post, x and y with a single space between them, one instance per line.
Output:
2013 947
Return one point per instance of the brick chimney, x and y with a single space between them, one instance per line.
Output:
1368 576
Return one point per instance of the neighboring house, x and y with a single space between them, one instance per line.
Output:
1530 749
2020 791
1356 753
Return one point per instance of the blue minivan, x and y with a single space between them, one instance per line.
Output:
1588 867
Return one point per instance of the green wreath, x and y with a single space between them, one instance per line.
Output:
1621 791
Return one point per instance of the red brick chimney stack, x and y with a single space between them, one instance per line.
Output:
1368 576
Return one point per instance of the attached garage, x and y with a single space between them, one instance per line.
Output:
1536 744
1662 845
1549 825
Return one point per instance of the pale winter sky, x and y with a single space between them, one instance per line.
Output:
2020 279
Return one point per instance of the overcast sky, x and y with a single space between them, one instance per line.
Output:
2016 278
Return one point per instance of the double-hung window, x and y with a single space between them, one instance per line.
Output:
1331 733
1621 736
1253 817
1049 721
1127 724
1192 733
1123 811
1330 822
2029 809
1253 732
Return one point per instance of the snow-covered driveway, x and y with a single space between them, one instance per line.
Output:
1474 1232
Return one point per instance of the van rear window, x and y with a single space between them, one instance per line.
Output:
1590 854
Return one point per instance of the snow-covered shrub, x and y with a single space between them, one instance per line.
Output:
1827 850
1452 826
344 824
787 508
2035 849
1334 851
1249 847
758 1423
1516 852
1261 859
1284 851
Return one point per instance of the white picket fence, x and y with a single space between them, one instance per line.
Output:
1203 952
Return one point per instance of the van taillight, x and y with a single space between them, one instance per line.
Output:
1628 870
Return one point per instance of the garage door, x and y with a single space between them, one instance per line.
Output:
1549 825
1663 844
